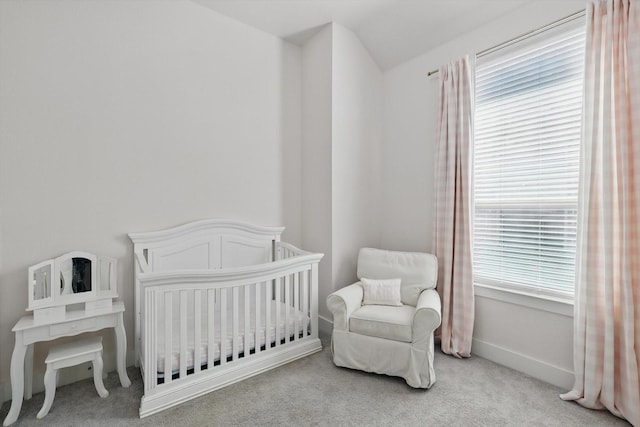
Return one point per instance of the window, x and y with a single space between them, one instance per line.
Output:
526 163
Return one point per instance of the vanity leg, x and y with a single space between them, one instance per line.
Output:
50 382
28 373
121 352
97 376
17 379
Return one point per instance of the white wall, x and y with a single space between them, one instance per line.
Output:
342 135
534 340
131 116
290 117
316 153
356 162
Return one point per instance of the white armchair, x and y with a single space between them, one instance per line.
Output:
391 340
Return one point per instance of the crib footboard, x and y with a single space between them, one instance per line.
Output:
201 330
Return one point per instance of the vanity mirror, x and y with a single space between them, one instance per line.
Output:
73 278
40 281
74 273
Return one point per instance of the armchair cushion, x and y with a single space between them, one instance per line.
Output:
418 271
393 323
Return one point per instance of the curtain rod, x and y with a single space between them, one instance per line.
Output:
524 36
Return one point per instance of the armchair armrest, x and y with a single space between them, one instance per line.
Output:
427 317
342 303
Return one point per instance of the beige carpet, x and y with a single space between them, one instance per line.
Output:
312 391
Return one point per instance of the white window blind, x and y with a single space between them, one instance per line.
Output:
526 163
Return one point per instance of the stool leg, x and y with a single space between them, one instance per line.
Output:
97 376
50 391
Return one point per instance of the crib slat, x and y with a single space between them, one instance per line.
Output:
168 325
211 330
296 304
277 308
235 340
152 368
247 320
314 301
305 298
257 325
223 326
144 331
150 334
197 325
183 334
267 308
287 303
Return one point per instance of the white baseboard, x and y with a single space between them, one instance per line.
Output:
543 371
68 375
325 326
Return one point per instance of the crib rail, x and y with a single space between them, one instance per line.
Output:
287 250
217 319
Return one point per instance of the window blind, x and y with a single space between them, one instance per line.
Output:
526 163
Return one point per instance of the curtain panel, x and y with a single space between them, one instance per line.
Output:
453 205
607 306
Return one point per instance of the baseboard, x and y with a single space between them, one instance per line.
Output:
68 375
543 371
325 326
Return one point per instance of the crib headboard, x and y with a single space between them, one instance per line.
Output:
208 244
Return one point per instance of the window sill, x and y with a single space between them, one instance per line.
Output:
538 302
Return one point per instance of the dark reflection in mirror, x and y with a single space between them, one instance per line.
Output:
75 276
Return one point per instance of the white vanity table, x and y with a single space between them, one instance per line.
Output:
83 278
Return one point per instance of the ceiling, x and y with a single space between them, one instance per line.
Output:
392 30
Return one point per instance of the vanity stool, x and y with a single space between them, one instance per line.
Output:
71 354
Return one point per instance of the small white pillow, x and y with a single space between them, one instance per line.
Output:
381 292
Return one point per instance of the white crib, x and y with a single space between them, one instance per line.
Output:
216 302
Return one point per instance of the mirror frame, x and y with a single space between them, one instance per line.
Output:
96 293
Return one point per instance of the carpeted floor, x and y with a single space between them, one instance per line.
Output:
312 391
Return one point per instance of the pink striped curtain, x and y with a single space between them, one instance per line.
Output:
453 200
607 311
